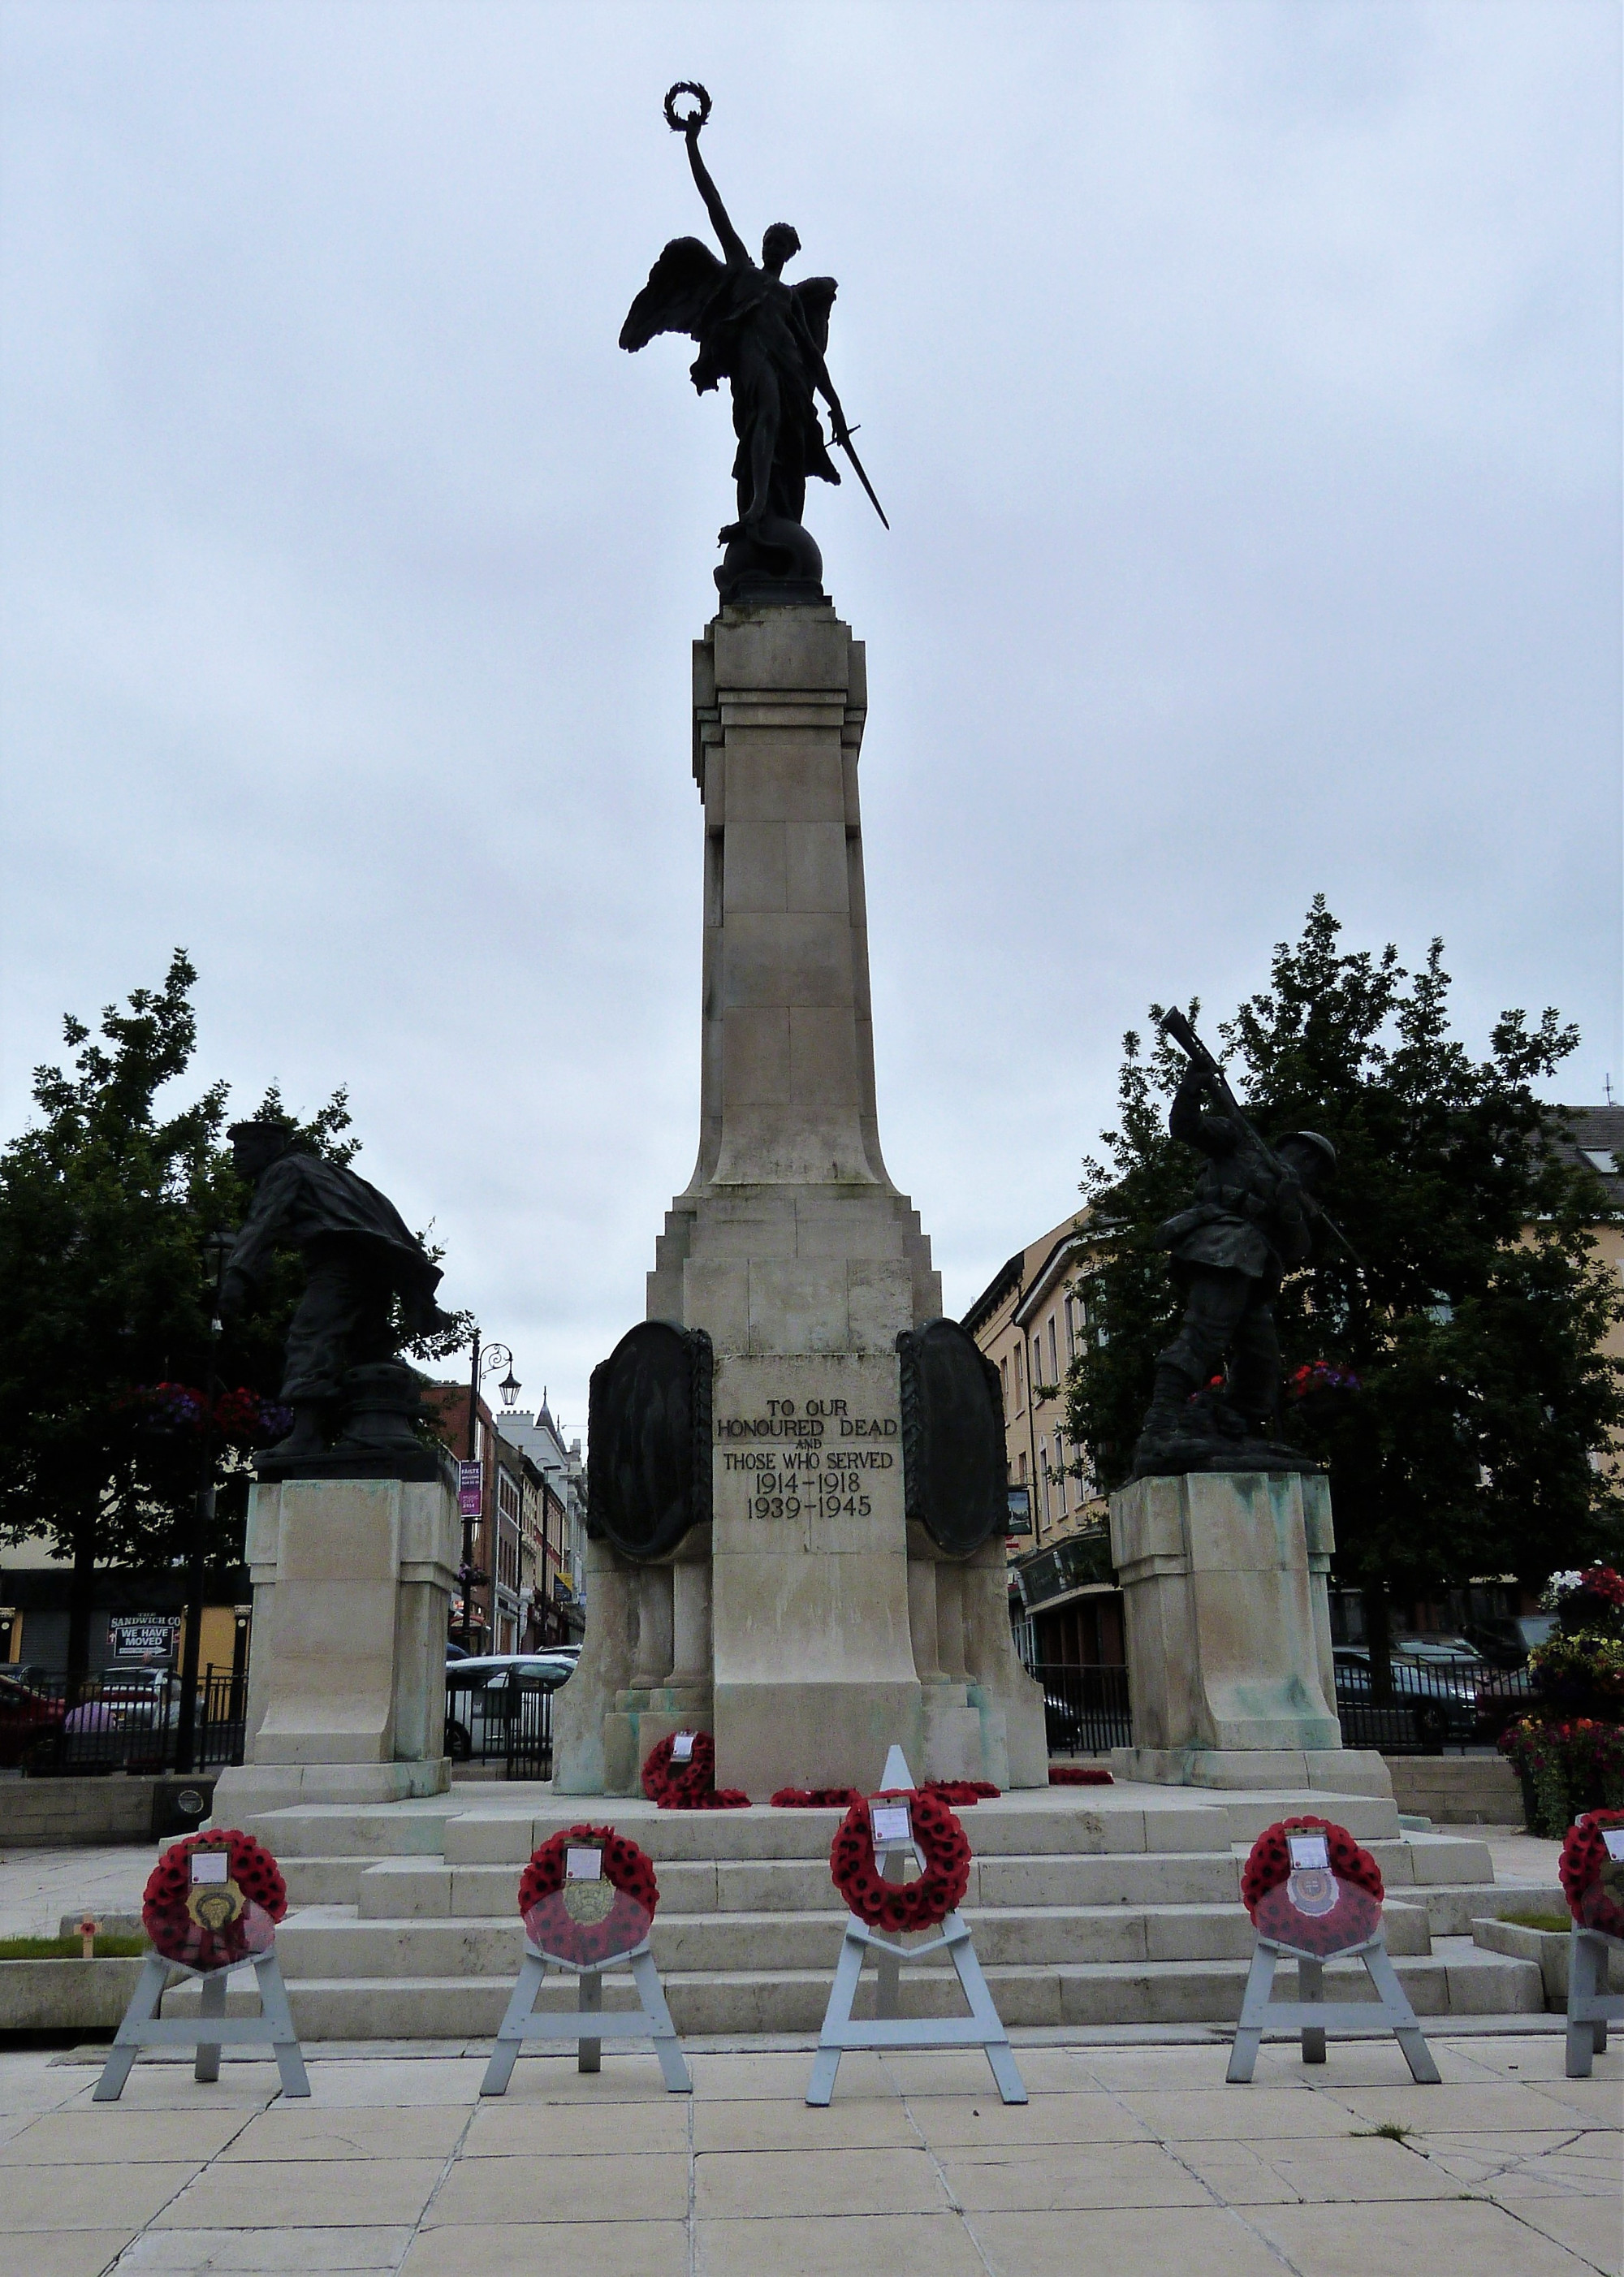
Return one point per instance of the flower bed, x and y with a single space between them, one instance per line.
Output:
589 1922
204 1926
899 1907
1316 1910
1567 1765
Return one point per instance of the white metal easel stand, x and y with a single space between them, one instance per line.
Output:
1590 2007
1315 2015
209 2030
982 2027
589 2025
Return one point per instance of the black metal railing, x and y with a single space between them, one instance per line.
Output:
504 1720
1431 1702
119 1720
1085 1709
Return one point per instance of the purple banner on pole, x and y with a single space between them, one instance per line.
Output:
470 1489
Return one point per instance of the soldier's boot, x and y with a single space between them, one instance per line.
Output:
308 1434
1168 1414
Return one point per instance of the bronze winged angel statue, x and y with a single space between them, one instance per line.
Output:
768 340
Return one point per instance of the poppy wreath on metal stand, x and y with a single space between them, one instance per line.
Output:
690 1785
586 1922
208 1925
1314 1909
1592 1880
899 1907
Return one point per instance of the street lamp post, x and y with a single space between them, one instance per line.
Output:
216 1248
486 1356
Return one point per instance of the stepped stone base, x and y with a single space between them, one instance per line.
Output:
1334 1770
1096 1906
245 1790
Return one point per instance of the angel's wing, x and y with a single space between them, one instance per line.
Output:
816 295
681 285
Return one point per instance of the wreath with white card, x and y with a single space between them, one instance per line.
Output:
587 1895
1309 1885
1592 1871
918 1827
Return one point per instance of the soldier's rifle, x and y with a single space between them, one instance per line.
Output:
1177 1028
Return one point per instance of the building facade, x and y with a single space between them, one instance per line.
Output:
1064 1606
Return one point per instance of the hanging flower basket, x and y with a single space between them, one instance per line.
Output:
1592 1879
208 1924
1313 1910
899 1907
585 1920
689 1786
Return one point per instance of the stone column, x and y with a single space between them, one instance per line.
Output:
346 1672
793 1250
1228 1624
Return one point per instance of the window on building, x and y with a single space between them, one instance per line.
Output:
1020 1389
1044 1466
1037 1366
1054 1352
1003 1382
1060 1467
1071 1327
1022 1480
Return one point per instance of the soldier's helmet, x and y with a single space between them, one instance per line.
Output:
1322 1147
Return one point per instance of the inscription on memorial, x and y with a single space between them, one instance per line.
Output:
815 1472
783 1460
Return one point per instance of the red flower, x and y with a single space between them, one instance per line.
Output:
1271 1861
629 1869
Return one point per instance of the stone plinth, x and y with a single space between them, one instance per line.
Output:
346 1674
810 1626
1228 1624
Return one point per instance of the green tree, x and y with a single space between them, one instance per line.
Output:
105 1202
1475 1329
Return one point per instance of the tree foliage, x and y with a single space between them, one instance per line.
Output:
1474 1326
105 1202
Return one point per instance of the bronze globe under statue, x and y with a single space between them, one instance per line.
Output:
369 1289
768 340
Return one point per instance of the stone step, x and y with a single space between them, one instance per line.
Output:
1100 1822
333 1881
395 1888
332 1941
385 1829
1150 1992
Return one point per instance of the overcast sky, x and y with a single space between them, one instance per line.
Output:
1242 384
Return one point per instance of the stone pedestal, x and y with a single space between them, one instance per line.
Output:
1228 1624
819 1642
346 1674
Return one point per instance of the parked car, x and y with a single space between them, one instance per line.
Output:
29 1726
1507 1642
1435 1694
483 1694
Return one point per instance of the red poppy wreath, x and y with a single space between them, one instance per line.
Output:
898 1906
204 1924
1592 1879
689 1786
588 1920
1315 1909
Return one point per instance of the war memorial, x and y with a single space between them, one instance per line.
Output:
798 1486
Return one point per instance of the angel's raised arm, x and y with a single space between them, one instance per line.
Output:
732 243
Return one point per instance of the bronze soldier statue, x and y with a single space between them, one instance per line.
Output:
768 340
342 1367
1249 1226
